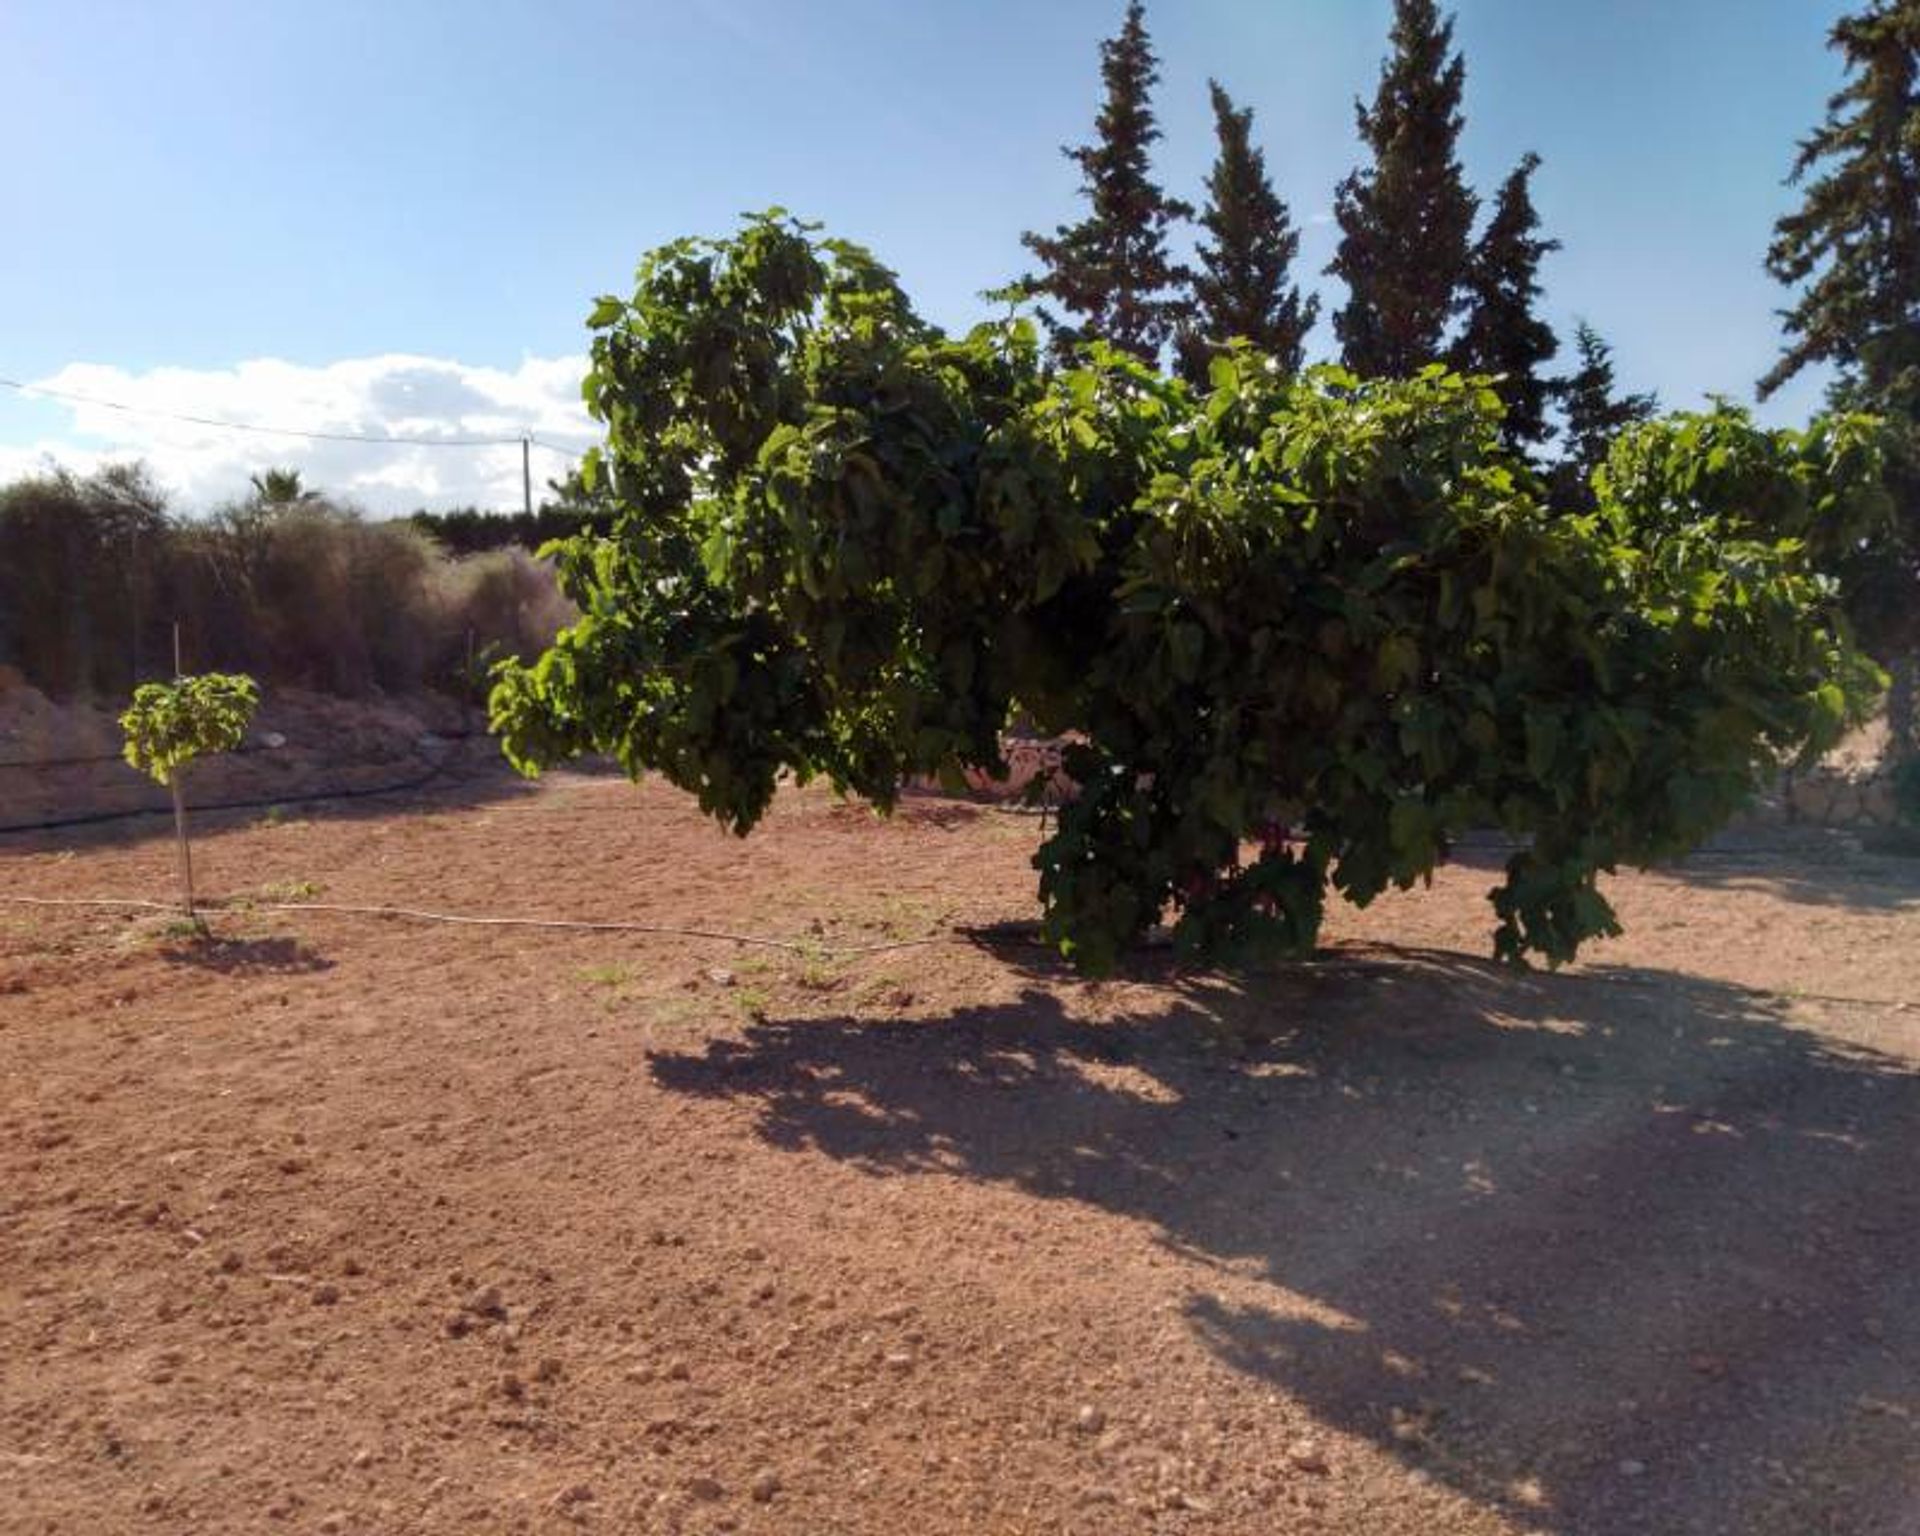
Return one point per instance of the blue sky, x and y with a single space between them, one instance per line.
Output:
395 215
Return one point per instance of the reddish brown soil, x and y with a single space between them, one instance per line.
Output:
347 1225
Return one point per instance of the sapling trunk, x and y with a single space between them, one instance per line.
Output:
180 839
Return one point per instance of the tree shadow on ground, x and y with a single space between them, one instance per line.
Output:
248 957
1812 866
1847 877
1622 1251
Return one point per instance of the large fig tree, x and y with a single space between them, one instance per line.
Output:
1309 630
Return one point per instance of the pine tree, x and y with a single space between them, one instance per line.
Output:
1241 289
1595 416
1852 248
1855 240
1112 271
1503 335
1406 220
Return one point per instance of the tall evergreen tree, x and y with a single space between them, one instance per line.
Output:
1595 416
1241 289
1852 249
1406 221
1503 335
1111 271
1855 239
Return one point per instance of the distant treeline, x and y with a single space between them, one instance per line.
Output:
95 571
470 531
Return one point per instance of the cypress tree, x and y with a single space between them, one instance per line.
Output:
1855 239
1111 271
1503 335
1406 220
1852 249
1595 416
1241 288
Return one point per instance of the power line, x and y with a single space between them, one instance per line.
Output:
247 426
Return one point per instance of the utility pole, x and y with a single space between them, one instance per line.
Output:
526 473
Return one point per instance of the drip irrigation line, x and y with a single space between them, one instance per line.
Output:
1017 932
470 920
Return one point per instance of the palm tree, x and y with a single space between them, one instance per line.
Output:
280 488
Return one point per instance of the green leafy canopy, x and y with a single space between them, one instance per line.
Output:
168 725
1307 631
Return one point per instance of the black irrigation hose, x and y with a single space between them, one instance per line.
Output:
1489 842
245 750
262 802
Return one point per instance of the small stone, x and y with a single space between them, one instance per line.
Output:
230 1262
325 1294
1632 1468
1874 1328
763 1291
720 976
1090 1420
487 1303
458 1325
1307 1456
363 1458
899 1360
1473 1376
677 1370
578 1493
707 1488
513 1387
766 1483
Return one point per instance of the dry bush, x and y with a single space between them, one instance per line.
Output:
94 573
79 605
498 604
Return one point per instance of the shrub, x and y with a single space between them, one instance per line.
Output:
94 573
81 602
848 545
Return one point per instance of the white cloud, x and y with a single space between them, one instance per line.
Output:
394 395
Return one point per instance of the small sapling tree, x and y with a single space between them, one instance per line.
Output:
169 725
848 545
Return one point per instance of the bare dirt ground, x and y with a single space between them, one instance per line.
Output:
350 1225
